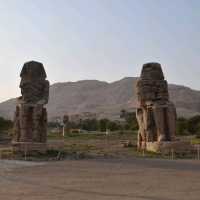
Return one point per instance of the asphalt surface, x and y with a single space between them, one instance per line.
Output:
100 179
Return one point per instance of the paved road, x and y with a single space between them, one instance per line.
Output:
105 179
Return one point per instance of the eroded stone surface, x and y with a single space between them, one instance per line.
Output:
156 115
34 86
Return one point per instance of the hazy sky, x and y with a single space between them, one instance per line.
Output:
99 39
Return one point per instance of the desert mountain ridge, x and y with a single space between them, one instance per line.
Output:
105 99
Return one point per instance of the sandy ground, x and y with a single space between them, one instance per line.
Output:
103 179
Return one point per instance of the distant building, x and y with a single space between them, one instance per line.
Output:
88 115
77 118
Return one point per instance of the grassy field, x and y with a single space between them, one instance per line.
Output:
114 145
195 141
98 145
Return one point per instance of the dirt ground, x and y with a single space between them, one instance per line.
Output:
100 179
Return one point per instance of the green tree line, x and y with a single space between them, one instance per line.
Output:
5 124
127 122
104 124
189 126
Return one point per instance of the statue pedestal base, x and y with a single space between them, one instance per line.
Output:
27 147
167 147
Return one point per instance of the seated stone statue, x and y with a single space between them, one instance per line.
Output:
31 115
156 115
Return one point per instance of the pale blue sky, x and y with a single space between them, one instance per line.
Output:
99 39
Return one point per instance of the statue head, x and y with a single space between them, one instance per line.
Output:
152 71
34 86
152 85
32 71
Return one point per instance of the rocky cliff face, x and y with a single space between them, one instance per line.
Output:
105 99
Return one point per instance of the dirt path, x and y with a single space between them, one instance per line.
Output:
111 179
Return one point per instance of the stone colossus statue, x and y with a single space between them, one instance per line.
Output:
31 115
156 115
